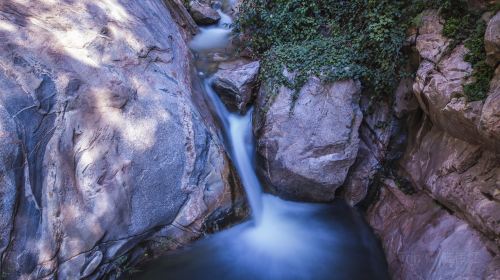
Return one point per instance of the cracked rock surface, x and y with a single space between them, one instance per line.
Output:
104 157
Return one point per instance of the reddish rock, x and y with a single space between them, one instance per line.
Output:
424 241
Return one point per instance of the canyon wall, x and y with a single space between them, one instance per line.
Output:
443 220
424 163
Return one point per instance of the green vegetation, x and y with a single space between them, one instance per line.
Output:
122 267
333 40
482 72
465 26
339 39
459 20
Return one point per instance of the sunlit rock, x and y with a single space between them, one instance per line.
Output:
103 151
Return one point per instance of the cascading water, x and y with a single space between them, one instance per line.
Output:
284 240
238 131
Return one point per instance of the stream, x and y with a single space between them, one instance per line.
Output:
283 239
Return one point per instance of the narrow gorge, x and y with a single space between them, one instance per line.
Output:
249 139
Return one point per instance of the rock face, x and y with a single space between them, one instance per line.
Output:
449 227
102 150
235 81
461 176
439 90
382 141
374 132
306 155
202 13
424 241
489 123
10 155
492 40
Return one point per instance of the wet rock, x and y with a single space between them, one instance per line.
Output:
492 40
423 241
235 82
202 13
116 157
307 153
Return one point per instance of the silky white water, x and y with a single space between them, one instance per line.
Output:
238 131
213 37
283 239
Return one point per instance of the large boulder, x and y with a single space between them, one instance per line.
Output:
235 83
117 159
306 153
492 40
202 13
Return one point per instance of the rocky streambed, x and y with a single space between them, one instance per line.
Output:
283 239
113 154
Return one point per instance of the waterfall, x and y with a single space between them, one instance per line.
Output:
285 240
237 128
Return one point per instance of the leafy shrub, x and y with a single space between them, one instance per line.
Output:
340 39
466 26
482 72
331 39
